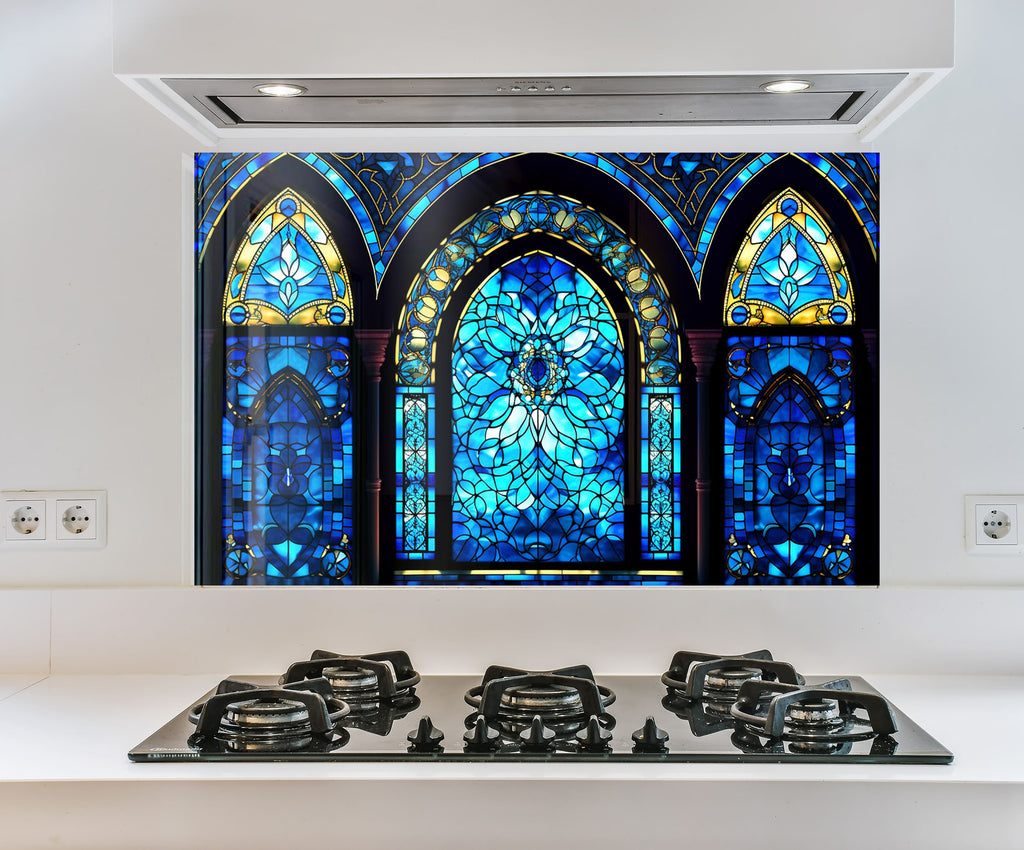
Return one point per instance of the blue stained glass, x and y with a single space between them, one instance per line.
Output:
387 192
538 212
288 270
289 274
287 460
537 418
790 430
661 450
414 464
789 273
789 270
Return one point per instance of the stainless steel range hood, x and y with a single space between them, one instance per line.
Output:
458 65
537 101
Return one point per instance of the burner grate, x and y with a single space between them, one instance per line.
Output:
246 717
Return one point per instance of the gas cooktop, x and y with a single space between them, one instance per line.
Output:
704 708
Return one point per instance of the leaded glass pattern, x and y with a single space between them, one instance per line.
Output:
540 577
537 212
287 460
789 270
538 419
790 461
660 459
287 270
387 193
414 464
287 509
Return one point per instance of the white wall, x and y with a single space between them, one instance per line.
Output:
91 301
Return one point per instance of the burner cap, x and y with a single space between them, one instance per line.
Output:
268 714
346 681
729 680
265 724
547 700
563 698
820 716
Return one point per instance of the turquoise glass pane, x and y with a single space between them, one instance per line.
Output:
537 418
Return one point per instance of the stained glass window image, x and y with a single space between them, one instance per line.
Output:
790 461
287 426
537 414
587 368
789 270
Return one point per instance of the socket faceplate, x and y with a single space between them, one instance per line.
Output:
54 519
991 525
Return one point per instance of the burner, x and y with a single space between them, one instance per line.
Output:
256 724
364 681
717 679
814 717
826 714
242 717
564 700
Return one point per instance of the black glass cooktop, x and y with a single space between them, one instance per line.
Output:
626 718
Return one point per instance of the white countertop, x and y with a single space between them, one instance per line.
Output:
67 781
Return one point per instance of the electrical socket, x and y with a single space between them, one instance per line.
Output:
25 520
992 525
57 519
76 519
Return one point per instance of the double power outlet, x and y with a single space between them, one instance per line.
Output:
992 525
62 519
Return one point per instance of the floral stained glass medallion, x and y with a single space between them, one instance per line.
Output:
538 416
789 270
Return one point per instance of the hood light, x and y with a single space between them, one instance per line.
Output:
280 89
786 86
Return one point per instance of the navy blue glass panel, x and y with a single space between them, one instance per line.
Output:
287 460
790 452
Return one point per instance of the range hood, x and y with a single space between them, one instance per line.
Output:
536 101
455 65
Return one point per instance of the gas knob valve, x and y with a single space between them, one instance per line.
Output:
650 739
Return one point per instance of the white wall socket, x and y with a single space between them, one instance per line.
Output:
25 519
57 519
992 525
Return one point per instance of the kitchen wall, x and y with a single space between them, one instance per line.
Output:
96 311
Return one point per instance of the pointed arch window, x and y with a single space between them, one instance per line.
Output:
790 432
789 270
287 424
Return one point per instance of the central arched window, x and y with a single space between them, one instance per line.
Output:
564 461
538 416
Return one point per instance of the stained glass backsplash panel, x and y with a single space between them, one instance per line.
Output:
537 368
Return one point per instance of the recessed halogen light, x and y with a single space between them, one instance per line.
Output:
786 86
280 89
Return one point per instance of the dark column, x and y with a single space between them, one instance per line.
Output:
871 349
372 345
703 348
